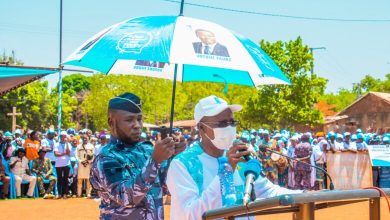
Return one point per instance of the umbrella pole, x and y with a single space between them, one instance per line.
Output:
181 8
59 114
173 100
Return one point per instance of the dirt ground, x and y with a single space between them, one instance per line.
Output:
75 209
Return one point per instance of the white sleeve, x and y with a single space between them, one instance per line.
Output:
186 203
266 189
56 147
12 160
44 143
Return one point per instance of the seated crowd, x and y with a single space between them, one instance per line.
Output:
53 166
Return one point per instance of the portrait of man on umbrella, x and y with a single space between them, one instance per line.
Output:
208 44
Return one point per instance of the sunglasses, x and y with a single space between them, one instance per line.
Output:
223 124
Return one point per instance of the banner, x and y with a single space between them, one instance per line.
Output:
379 155
349 170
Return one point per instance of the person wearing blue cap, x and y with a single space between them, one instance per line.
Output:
360 144
127 173
18 135
338 144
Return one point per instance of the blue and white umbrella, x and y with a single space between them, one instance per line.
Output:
180 49
204 51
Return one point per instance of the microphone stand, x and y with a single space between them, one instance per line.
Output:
331 186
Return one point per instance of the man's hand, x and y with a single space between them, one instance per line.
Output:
235 154
180 144
163 149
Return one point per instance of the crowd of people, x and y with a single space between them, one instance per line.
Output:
309 148
63 162
201 169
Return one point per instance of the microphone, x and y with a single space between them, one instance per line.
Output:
246 157
252 171
265 149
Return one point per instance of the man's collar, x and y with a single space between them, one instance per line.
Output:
209 45
120 143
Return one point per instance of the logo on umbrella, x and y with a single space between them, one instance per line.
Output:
261 57
134 42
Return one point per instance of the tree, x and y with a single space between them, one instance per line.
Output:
156 95
32 100
325 108
368 83
283 106
341 99
74 89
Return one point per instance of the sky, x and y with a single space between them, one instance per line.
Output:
353 49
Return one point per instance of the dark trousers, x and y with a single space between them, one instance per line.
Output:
62 176
73 186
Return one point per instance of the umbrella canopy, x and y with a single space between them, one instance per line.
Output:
12 77
160 46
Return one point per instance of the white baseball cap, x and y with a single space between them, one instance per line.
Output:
211 106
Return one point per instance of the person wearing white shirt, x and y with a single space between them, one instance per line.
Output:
348 144
48 144
103 142
319 159
62 153
19 167
291 153
193 176
338 144
360 144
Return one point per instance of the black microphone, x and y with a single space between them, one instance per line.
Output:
252 171
265 148
246 157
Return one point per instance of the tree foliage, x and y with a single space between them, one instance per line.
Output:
156 95
32 101
325 108
74 89
277 106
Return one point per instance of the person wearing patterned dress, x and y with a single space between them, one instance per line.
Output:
270 168
127 173
302 171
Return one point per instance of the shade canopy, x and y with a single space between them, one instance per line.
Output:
12 77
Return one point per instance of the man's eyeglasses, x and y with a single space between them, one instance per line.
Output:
223 124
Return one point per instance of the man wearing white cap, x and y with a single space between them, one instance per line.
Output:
193 176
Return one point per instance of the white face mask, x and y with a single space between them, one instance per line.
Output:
223 137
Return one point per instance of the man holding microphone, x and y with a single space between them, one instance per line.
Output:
194 178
